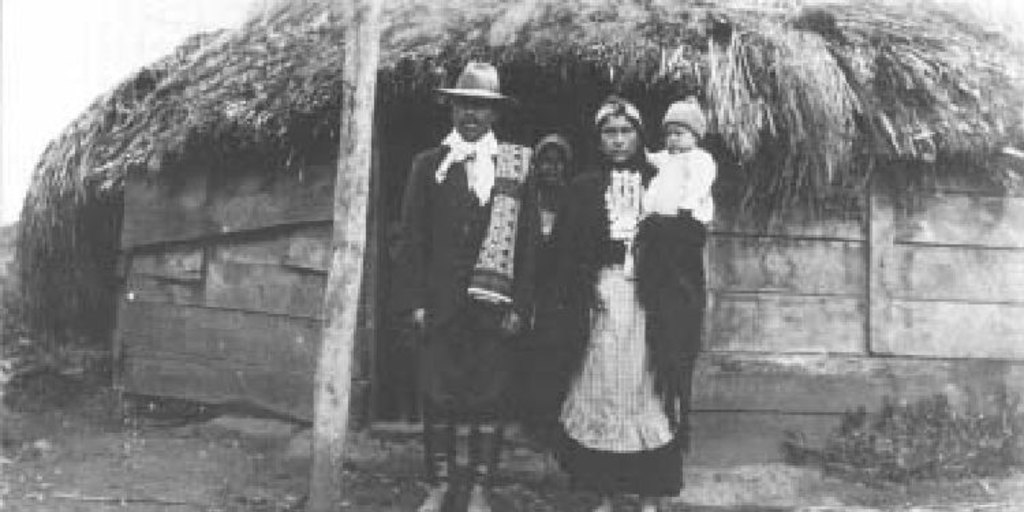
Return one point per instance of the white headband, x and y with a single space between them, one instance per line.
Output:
617 107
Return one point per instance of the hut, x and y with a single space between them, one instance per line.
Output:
869 239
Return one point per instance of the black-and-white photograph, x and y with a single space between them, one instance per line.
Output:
512 255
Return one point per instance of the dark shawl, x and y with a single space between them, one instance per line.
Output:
666 246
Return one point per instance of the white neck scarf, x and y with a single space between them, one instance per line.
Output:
478 158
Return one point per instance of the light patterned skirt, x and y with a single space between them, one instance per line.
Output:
612 407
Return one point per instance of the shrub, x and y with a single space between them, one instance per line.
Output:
927 439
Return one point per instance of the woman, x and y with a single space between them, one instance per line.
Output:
552 165
631 329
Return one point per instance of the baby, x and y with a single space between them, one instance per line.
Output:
685 172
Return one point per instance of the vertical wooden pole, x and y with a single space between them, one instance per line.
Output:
880 245
333 381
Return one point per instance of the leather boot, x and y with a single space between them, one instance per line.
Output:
484 453
439 454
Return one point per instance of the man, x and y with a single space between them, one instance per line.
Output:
464 279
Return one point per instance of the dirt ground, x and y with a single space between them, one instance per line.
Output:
71 446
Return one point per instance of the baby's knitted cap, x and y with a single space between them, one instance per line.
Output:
688 114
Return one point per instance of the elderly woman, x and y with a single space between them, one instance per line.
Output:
552 167
631 319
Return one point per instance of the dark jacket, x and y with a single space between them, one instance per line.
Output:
442 228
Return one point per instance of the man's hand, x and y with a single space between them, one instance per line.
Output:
418 318
512 324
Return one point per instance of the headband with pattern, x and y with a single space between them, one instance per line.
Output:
617 107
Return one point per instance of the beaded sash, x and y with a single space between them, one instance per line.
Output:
491 280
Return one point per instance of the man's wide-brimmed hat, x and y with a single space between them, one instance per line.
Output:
478 80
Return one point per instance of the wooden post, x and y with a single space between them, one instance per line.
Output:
333 381
880 244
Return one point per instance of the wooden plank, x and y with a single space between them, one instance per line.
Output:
732 438
959 219
143 288
788 383
834 384
787 265
253 200
284 392
304 247
117 347
880 247
954 329
285 343
287 393
310 248
763 322
794 222
955 273
176 263
264 288
165 208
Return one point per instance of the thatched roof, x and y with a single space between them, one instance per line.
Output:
802 102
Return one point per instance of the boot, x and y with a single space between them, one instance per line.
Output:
484 452
439 453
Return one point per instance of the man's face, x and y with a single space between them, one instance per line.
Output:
473 117
619 139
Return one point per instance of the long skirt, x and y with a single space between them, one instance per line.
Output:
466 366
618 438
653 473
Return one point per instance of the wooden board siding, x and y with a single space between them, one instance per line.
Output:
175 264
264 288
225 278
304 246
959 273
948 276
954 329
793 223
728 438
233 337
141 288
809 384
165 209
258 200
224 285
194 205
212 382
768 322
744 404
786 265
279 271
962 219
796 286
289 393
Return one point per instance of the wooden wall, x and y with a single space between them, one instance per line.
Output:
224 284
916 293
906 295
949 278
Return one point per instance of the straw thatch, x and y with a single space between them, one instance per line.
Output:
803 102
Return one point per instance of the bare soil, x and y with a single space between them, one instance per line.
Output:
71 445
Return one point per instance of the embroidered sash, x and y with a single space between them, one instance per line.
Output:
491 280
